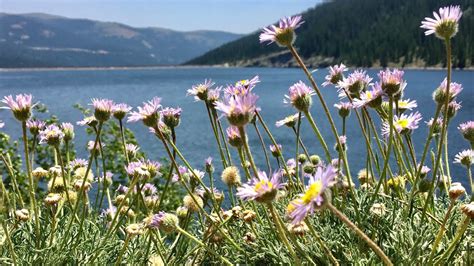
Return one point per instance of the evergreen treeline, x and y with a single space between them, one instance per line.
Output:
364 32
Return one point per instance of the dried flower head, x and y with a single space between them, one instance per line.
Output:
134 229
231 176
299 229
468 209
22 215
52 198
378 209
39 172
193 203
456 190
283 34
444 24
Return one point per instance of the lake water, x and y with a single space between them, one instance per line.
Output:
60 89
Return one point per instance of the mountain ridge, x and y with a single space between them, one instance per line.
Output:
44 40
363 33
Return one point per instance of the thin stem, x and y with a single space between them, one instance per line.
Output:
267 160
7 163
197 241
441 231
30 181
361 234
124 143
443 128
460 232
9 241
63 173
243 135
216 136
125 244
325 248
318 134
281 232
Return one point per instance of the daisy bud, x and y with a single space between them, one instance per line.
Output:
456 190
308 168
453 108
121 198
231 176
233 136
315 159
22 215
276 150
208 165
302 158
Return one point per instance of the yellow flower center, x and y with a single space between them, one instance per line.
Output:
259 187
403 123
312 192
368 95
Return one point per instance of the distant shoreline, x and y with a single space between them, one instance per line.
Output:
183 66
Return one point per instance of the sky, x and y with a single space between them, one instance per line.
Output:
238 16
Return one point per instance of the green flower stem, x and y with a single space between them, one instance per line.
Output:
321 99
243 135
267 160
378 142
17 193
300 141
197 241
31 183
9 241
359 233
244 166
5 195
323 245
441 231
63 173
33 149
446 157
281 233
422 160
460 232
53 225
318 134
66 147
221 132
124 247
443 129
124 142
469 174
389 149
104 187
170 174
216 136
175 165
411 149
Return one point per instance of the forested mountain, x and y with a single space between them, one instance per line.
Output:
41 40
359 33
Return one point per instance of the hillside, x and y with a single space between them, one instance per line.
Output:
360 33
41 40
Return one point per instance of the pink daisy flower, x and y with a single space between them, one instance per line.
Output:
284 33
444 24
